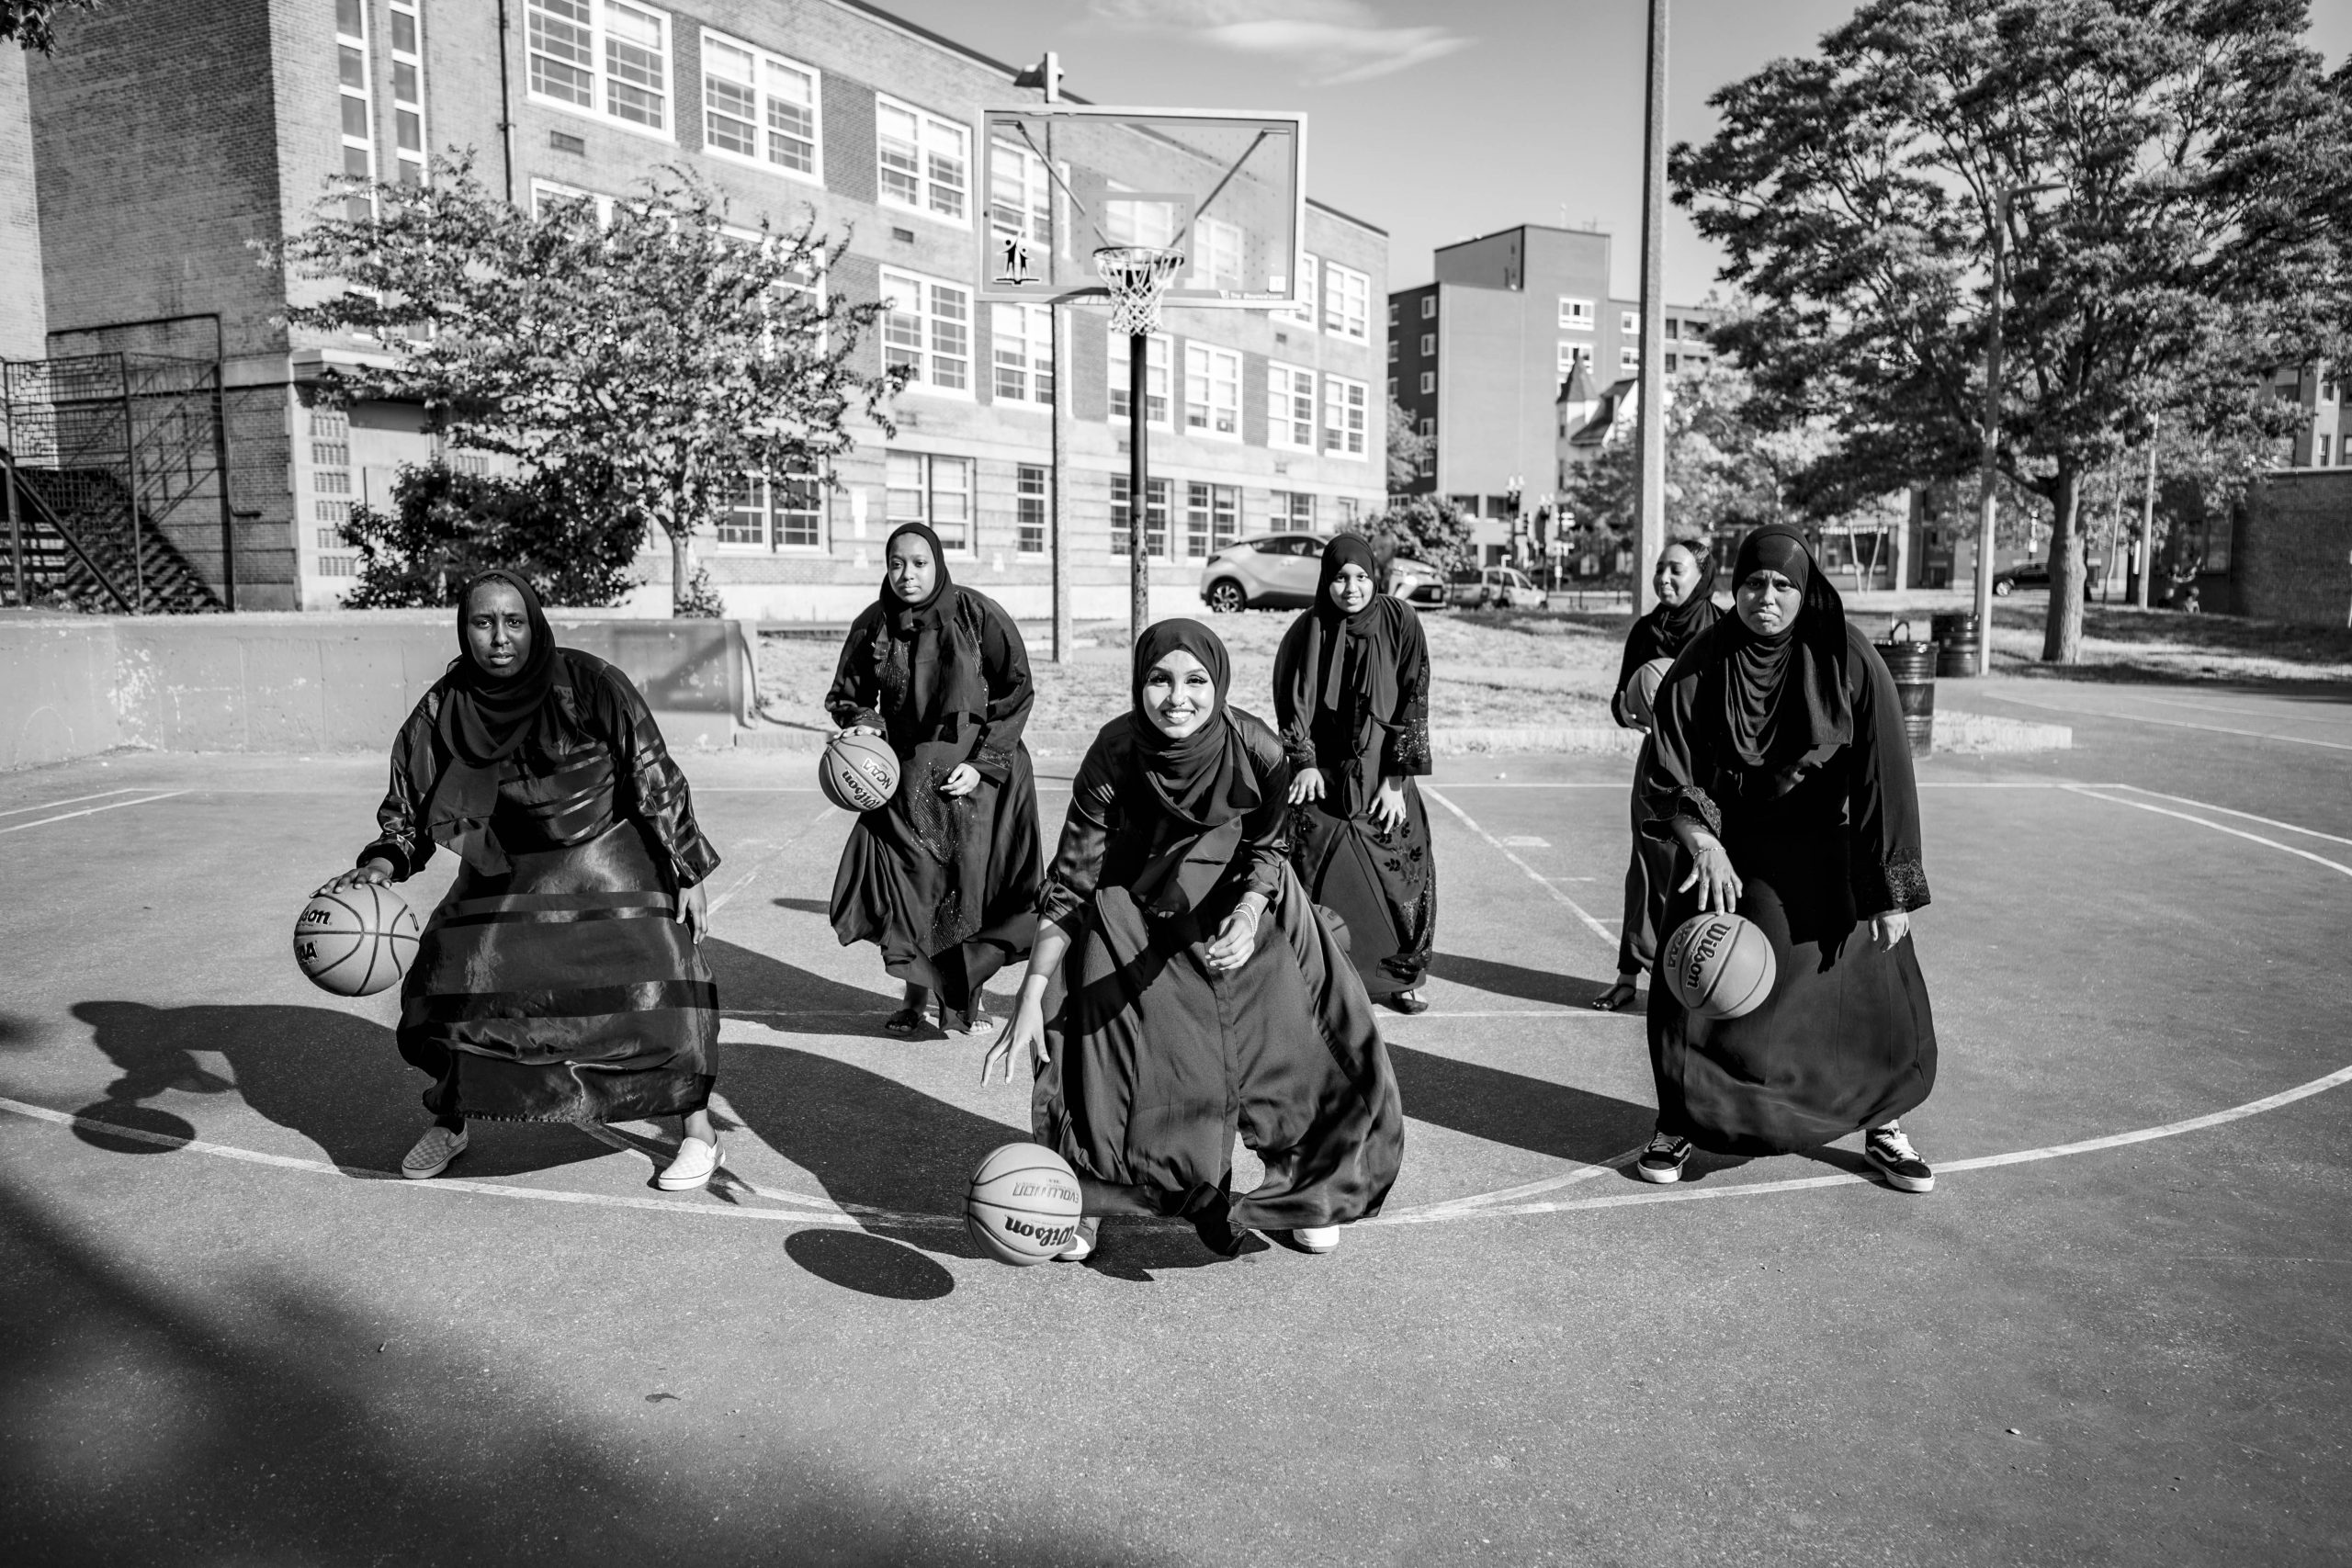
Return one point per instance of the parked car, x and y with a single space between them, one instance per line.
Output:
1270 571
1418 582
1496 587
2036 574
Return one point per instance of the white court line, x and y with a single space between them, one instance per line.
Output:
1535 875
1614 1164
760 866
69 800
2226 810
93 811
2217 827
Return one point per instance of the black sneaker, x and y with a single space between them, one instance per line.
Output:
1896 1160
1663 1161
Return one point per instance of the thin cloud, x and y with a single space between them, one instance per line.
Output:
1335 41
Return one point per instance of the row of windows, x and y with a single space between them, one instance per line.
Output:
1212 516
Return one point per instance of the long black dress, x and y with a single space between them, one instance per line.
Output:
947 886
1352 695
1154 1061
560 988
1824 833
1664 632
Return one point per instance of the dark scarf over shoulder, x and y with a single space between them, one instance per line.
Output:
1205 782
1782 698
1666 631
485 720
933 685
1342 676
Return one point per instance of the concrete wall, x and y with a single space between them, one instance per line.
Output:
23 316
2293 555
73 685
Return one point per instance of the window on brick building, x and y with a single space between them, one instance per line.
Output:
1290 408
355 104
1212 518
1155 397
1347 303
1429 307
1020 347
759 107
1217 254
929 327
608 57
408 93
1029 509
924 162
1293 512
1212 391
1346 415
1155 516
1307 311
937 491
787 515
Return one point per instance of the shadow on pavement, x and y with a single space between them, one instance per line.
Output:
793 999
805 906
1501 1107
1547 986
871 1265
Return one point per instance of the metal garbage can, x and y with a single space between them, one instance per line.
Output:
1957 643
1913 665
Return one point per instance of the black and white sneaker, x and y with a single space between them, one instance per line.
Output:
1897 1161
1662 1162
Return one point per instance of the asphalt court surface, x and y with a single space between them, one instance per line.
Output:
1531 1357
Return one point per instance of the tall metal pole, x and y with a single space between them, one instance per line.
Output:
2147 526
8 478
1649 524
130 458
1138 488
1989 464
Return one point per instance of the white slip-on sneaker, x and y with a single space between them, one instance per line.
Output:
696 1163
431 1153
1316 1238
1081 1244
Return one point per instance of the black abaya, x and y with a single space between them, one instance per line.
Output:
1664 632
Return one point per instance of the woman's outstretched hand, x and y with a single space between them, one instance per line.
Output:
1027 1027
694 911
1889 928
376 872
1388 805
1237 938
1306 784
961 780
1711 874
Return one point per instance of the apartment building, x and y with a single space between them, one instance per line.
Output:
1477 357
169 142
2324 438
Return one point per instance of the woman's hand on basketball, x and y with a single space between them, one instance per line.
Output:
694 911
1711 874
1306 784
961 780
861 729
1027 1027
1388 805
1237 938
378 871
1889 928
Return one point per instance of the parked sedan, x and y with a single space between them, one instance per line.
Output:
1498 587
1418 582
1272 571
2036 574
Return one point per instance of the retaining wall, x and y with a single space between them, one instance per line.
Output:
2293 548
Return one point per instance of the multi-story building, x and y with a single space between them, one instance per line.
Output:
1477 359
170 142
2324 439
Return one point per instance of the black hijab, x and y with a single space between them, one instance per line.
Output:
904 618
1784 696
928 664
484 720
1334 636
1205 779
1673 626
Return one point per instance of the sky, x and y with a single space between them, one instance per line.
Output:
1440 121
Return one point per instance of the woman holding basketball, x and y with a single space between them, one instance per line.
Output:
944 877
1351 685
562 979
1685 581
1781 769
1184 988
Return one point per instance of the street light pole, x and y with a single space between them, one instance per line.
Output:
1649 515
1989 470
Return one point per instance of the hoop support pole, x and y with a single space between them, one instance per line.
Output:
1138 488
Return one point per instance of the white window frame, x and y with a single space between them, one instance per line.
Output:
1578 315
810 280
1569 353
1629 359
930 129
1031 539
1289 405
1347 303
1392 388
1216 248
1429 345
410 161
544 190
764 494
1347 422
1629 323
1290 511
1030 370
1428 382
1211 392
959 535
933 353
1157 358
602 79
1033 208
1212 518
1429 307
1307 310
1160 495
763 62
358 151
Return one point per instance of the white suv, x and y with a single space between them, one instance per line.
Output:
1269 571
1498 587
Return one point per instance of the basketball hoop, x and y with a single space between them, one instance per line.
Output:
1136 275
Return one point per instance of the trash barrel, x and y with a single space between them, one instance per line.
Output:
1956 643
1913 665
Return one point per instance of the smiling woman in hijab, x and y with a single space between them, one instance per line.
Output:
561 978
1351 688
1184 988
1781 769
1685 581
944 877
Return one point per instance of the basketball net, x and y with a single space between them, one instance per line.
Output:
1135 276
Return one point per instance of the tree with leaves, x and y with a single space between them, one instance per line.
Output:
1408 449
658 346
1422 525
563 529
2200 161
33 23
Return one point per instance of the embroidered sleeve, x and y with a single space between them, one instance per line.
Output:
1406 748
1897 882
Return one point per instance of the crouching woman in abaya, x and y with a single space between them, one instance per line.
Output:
1182 987
562 979
1780 765
944 879
1352 689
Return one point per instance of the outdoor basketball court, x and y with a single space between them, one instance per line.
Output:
2114 1334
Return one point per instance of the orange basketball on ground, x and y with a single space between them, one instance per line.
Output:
1641 692
858 773
1022 1205
358 942
1719 966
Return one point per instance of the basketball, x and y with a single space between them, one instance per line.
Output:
356 941
859 773
1719 966
1022 1205
1641 692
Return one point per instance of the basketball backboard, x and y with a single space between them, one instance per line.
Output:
1065 180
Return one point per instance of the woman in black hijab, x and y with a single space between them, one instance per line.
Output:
562 979
1779 767
1184 988
1685 579
1351 688
944 877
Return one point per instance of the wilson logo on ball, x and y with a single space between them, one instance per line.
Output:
1720 967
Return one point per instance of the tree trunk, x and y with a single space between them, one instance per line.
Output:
2062 633
681 568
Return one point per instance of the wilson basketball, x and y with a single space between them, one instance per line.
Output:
1719 966
1022 1204
1641 692
859 773
358 942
